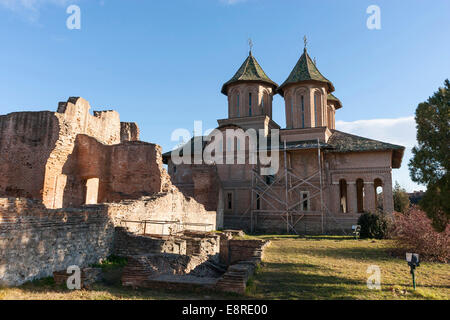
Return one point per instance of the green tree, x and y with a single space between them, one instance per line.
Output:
401 198
430 163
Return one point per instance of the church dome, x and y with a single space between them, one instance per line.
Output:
250 71
336 101
305 71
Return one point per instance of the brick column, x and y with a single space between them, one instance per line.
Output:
388 199
369 197
351 197
334 198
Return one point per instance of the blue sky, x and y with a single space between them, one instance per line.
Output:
162 63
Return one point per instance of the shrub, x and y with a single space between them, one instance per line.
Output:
374 225
413 232
401 198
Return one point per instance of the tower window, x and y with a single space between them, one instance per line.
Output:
250 104
237 105
292 112
315 110
262 104
303 111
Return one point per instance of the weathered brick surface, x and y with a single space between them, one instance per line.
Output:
310 223
35 241
236 277
129 131
88 277
170 206
232 251
142 270
127 244
50 156
205 244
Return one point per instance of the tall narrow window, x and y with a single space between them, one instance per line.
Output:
262 104
360 195
305 205
229 201
258 203
315 110
292 112
250 104
92 185
303 111
343 196
237 105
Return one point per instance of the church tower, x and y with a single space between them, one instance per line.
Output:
307 94
250 91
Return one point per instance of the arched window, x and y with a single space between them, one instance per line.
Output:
238 113
292 112
317 108
360 195
379 196
250 104
329 116
262 104
265 104
303 110
343 196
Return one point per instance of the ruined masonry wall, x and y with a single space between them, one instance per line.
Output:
35 241
170 206
127 244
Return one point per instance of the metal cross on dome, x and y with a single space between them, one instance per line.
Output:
250 44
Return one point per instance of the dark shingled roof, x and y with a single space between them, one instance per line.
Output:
199 139
250 70
331 97
339 142
345 142
305 70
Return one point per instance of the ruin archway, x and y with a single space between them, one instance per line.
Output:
92 185
360 195
379 194
343 196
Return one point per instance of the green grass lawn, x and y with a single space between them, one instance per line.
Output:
336 268
294 268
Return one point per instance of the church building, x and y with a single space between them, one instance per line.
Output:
326 178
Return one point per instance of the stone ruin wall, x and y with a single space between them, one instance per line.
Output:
115 166
170 206
26 142
38 159
46 161
35 241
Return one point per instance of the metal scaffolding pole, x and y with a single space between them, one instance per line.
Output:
320 181
286 190
277 205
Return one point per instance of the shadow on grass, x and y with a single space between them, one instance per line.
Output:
108 290
303 281
305 237
363 254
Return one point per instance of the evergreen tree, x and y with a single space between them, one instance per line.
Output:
431 158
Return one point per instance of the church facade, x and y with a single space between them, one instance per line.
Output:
325 178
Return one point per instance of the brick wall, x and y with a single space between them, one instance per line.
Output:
127 244
35 241
170 206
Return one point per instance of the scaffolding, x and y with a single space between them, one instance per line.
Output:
289 202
